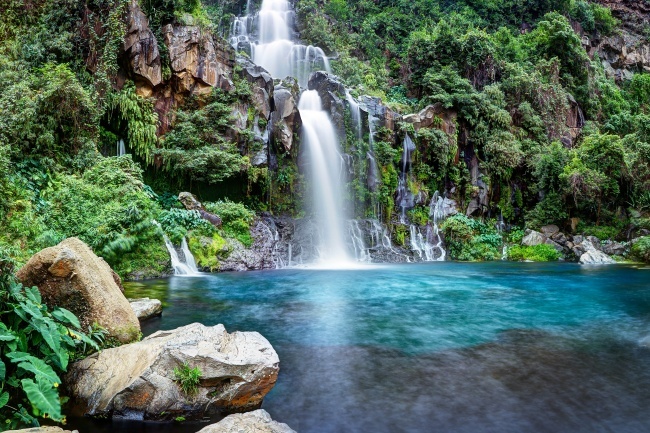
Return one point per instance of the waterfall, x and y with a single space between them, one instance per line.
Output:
181 269
274 48
437 214
361 253
404 196
355 113
121 149
322 150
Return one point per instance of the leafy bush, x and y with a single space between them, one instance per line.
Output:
537 253
601 232
236 219
469 239
37 345
641 249
109 208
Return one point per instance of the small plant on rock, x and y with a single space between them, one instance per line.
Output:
188 378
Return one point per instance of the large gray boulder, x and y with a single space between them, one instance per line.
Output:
71 276
592 256
258 421
532 238
137 381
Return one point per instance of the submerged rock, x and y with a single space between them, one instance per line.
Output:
258 421
138 380
145 308
71 276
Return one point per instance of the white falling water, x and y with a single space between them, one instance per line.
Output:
121 149
274 49
355 113
181 269
404 196
437 214
361 253
322 149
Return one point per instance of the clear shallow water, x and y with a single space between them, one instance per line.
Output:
449 347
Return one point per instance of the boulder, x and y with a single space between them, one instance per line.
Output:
332 94
191 203
258 421
559 248
42 430
146 308
594 241
285 119
612 248
137 381
71 276
550 230
141 48
592 256
532 238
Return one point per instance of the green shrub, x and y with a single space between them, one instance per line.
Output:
601 232
188 378
469 239
236 219
641 249
537 253
37 345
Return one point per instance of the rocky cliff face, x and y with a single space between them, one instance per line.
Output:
627 51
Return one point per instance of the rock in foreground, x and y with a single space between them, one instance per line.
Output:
42 430
258 421
138 381
71 276
145 308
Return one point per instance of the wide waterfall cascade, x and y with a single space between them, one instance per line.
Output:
275 49
322 149
121 149
187 268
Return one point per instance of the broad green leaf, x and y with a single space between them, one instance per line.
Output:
3 370
31 310
18 356
44 397
33 294
65 316
6 335
40 369
4 399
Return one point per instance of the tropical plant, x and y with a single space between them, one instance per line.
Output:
188 378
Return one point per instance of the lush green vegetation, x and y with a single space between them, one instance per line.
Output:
525 109
37 346
537 253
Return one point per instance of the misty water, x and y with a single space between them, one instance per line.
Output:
448 347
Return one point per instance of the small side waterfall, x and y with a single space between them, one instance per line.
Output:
437 214
121 149
188 268
404 196
322 150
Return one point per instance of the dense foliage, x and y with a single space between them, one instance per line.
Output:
37 345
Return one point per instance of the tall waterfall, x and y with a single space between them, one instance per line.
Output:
322 150
269 39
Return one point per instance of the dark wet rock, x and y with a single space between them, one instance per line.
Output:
612 248
550 230
141 48
285 119
332 94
